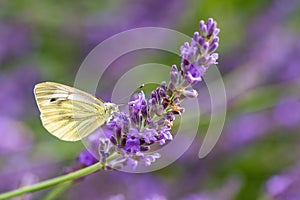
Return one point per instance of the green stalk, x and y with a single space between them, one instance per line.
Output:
58 190
56 181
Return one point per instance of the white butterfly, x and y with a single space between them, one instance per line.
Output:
68 113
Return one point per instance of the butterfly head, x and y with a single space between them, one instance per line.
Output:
110 108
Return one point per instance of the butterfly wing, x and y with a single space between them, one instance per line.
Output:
68 113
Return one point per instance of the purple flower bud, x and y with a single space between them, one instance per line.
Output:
202 27
209 22
190 93
165 134
170 116
185 45
113 140
205 47
150 135
196 35
132 141
153 94
201 41
216 32
163 85
212 28
148 159
174 68
152 101
152 110
213 59
149 121
174 77
193 75
162 93
182 110
144 111
214 40
213 47
171 86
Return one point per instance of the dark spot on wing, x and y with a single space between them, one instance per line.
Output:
53 99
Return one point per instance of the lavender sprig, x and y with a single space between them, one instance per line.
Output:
150 120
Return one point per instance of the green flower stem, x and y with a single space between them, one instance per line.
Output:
58 190
51 182
56 181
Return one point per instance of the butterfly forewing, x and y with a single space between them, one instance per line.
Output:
68 113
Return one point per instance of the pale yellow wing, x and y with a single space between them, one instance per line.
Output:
68 113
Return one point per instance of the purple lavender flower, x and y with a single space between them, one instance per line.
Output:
199 54
133 142
165 135
150 120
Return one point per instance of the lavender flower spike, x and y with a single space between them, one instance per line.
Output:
198 55
149 120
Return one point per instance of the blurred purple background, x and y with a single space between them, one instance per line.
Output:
257 156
